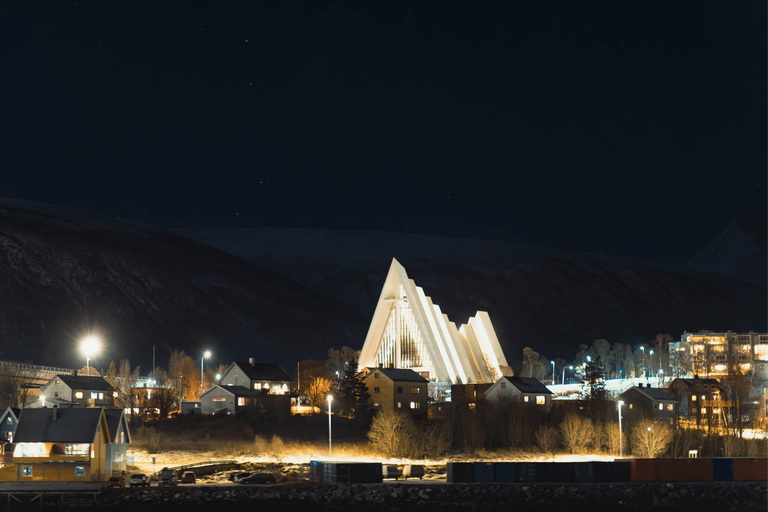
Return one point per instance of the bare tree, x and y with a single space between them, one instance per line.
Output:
126 382
12 382
391 433
338 359
533 364
602 349
650 439
183 370
578 433
547 439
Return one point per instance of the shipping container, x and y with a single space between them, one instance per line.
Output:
621 471
544 471
352 472
526 472
643 470
584 472
691 470
601 471
505 472
563 472
483 472
316 471
664 470
750 469
460 472
722 469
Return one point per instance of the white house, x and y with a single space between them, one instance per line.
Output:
525 389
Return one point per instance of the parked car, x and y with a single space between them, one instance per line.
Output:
258 478
188 477
413 471
139 480
237 475
391 472
116 481
167 478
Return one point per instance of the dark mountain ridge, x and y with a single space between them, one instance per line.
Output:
64 273
548 299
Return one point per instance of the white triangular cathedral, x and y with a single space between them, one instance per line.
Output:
409 331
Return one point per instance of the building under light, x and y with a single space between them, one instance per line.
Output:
718 354
409 331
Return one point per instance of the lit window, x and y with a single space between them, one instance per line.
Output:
703 410
375 405
376 389
693 398
415 390
661 406
114 394
541 400
670 407
257 385
241 401
101 396
219 399
79 471
399 405
525 398
78 394
58 381
9 420
631 406
122 437
693 409
94 395
415 405
266 385
26 470
78 450
472 406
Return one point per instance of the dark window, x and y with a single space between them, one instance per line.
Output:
376 389
399 389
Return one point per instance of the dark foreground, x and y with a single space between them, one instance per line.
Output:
702 497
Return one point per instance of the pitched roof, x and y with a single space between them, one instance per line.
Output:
236 390
655 393
114 418
698 381
85 382
263 371
400 374
528 385
15 411
70 426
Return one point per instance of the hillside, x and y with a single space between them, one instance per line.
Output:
63 272
740 252
550 300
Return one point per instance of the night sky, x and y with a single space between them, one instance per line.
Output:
635 129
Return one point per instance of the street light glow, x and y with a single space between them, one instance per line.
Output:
207 354
330 446
89 347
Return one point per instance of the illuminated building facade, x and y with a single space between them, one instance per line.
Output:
409 331
718 354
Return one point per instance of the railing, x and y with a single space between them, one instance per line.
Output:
37 368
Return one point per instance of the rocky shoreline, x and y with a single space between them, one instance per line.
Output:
711 496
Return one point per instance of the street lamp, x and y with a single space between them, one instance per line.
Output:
621 402
570 368
330 446
89 347
553 372
650 353
207 353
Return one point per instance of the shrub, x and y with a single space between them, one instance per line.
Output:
650 439
578 433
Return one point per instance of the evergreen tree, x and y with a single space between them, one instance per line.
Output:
594 379
111 375
353 393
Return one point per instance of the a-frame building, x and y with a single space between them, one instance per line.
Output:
409 331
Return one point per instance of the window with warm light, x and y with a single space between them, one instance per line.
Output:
693 398
703 410
375 405
219 400
399 405
101 396
79 394
661 406
114 394
241 401
541 400
415 405
631 406
694 409
257 385
415 390
77 450
526 398
670 407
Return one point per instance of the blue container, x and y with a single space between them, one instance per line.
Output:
460 472
621 471
483 472
601 471
526 472
722 470
584 472
505 472
544 471
563 472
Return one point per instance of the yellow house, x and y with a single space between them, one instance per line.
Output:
61 445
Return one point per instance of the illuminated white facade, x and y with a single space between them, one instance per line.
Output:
409 331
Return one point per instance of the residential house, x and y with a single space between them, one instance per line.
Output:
469 395
119 437
190 407
649 402
699 400
75 391
525 389
442 411
397 389
271 378
61 445
229 399
8 423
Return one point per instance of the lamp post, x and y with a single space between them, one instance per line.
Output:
553 372
90 346
207 353
330 446
621 402
570 368
650 354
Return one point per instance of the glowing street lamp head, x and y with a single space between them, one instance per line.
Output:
90 346
218 377
330 398
207 354
621 403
